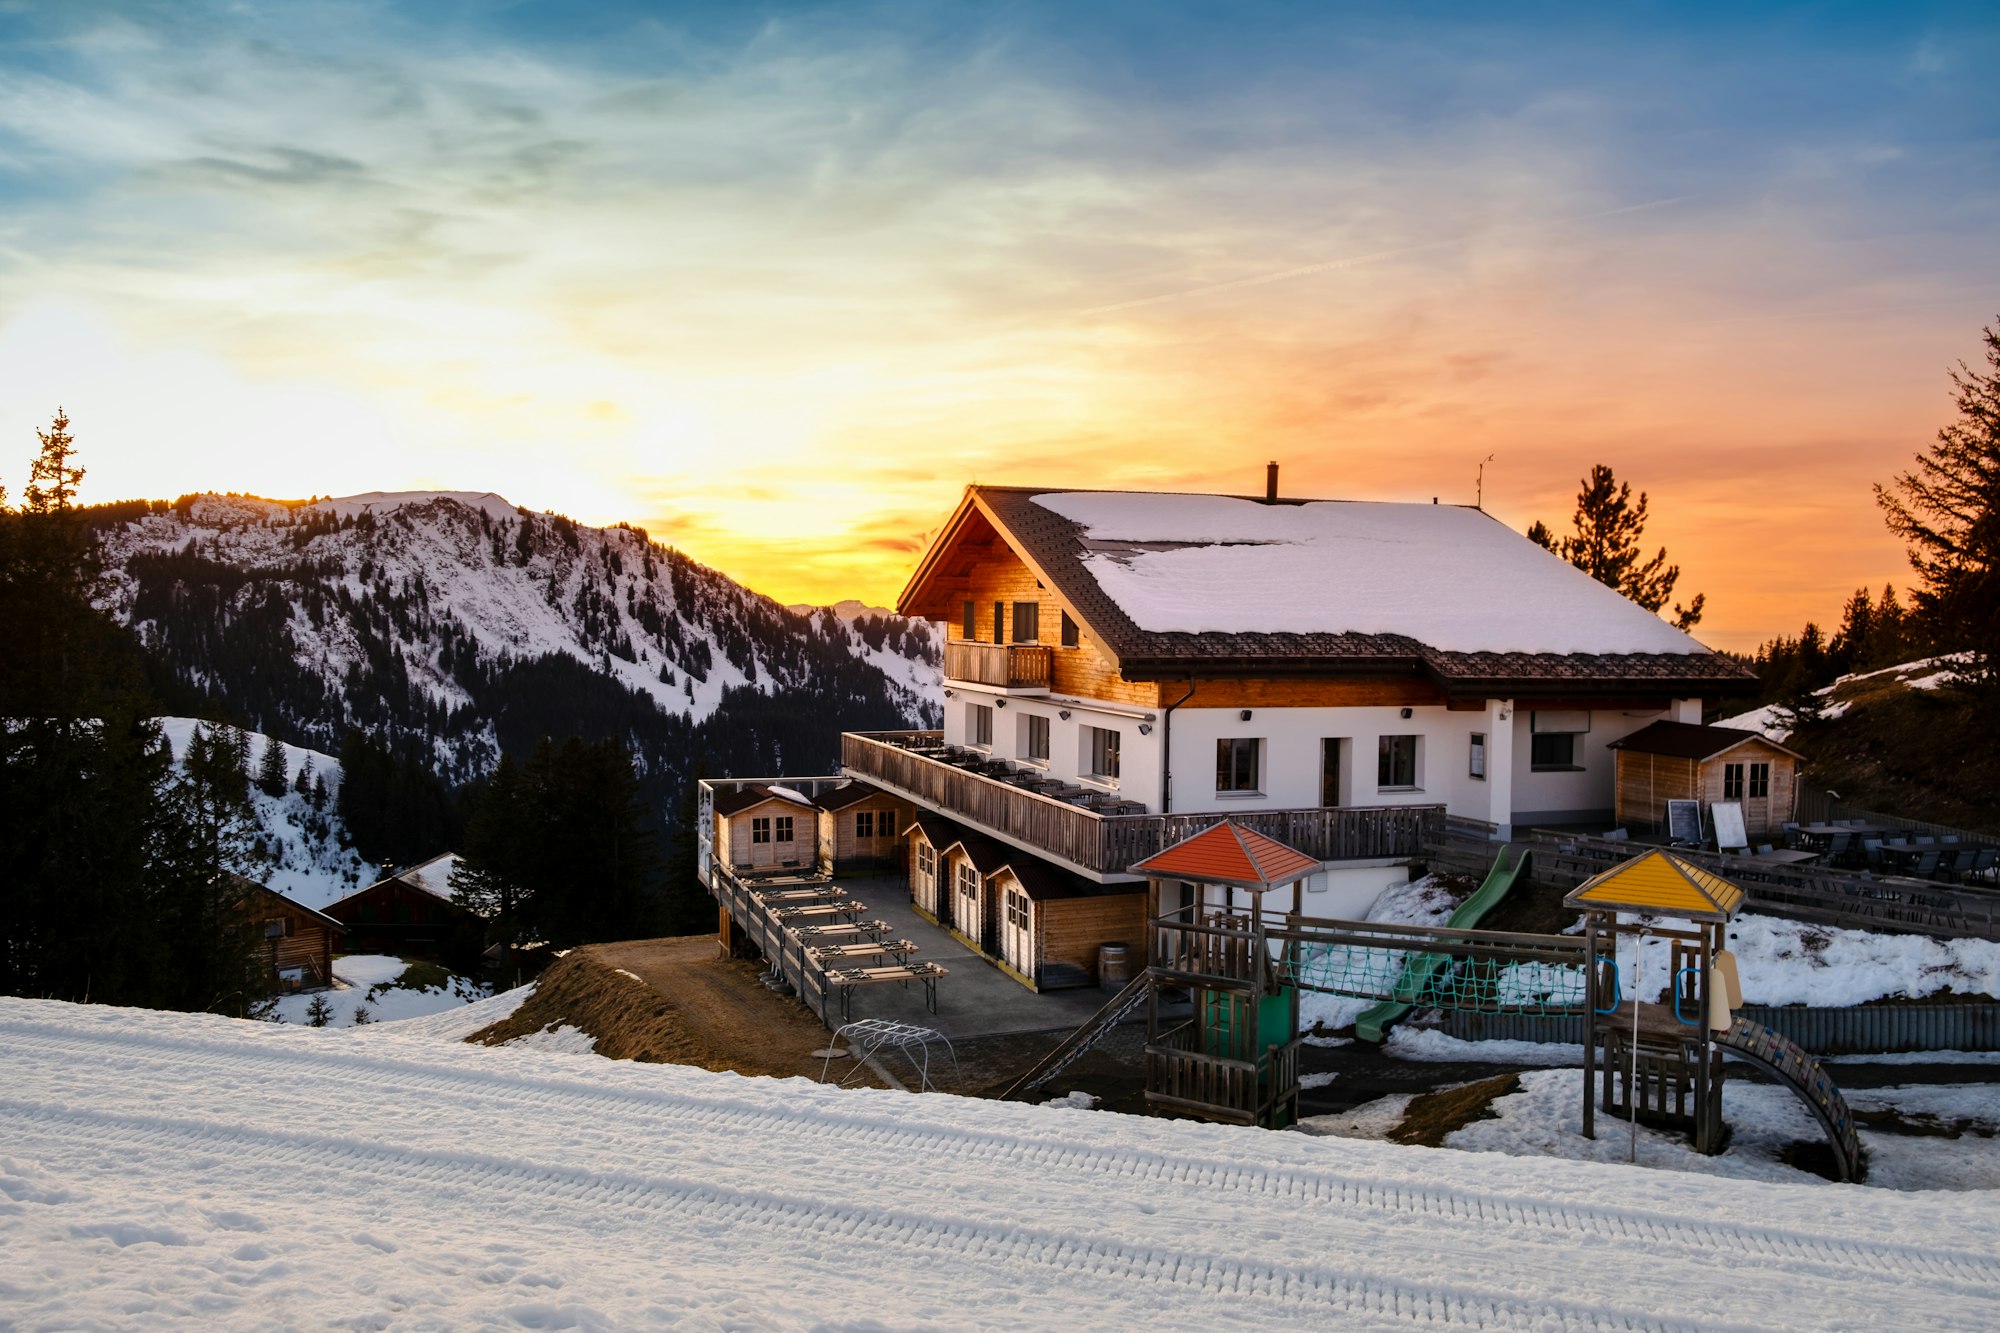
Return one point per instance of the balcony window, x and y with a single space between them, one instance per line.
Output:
1396 763
979 725
1237 761
1070 637
1102 760
1027 622
1034 739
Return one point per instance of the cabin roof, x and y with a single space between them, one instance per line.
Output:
1168 584
854 793
736 802
1659 881
1038 879
1685 740
247 884
1228 853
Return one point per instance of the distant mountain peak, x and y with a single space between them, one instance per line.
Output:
382 502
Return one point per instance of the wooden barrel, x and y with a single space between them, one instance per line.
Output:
1114 966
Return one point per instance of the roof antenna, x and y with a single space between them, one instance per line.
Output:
1270 483
1479 494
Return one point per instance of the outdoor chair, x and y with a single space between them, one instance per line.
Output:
1926 863
1836 847
1926 841
1983 862
1950 861
1871 851
1764 848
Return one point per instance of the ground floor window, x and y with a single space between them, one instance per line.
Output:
1035 738
968 889
1477 766
1017 909
979 724
1552 750
864 825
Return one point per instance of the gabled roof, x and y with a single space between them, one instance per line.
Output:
1658 881
854 793
1228 853
248 885
989 856
1167 585
1685 740
756 793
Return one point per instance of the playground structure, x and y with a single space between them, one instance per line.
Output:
1235 1057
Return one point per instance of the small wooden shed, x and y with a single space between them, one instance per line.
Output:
860 827
762 827
297 942
1678 761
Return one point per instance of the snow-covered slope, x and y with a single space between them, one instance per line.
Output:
434 620
1926 673
184 1169
305 853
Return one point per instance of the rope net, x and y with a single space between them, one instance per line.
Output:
1435 980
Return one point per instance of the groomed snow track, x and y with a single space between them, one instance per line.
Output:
157 1167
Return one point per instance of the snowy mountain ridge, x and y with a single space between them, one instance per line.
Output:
443 619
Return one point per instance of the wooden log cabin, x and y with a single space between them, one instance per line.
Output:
766 827
1672 761
860 828
296 942
1041 925
411 914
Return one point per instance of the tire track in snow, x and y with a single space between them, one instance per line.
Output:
1290 1291
739 1120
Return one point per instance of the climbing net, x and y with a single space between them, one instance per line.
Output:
1436 980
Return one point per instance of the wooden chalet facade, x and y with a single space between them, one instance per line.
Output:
296 942
1671 761
411 914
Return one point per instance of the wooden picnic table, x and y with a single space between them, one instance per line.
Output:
849 910
874 930
778 897
827 955
845 979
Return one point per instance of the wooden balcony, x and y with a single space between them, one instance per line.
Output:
1004 666
1104 846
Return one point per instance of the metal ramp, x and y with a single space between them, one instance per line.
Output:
1790 1063
1073 1047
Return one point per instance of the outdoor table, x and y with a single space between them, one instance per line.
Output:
847 910
1783 857
828 955
1859 831
779 897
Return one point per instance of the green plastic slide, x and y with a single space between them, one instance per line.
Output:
1419 972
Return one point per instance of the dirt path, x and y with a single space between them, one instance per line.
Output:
723 1007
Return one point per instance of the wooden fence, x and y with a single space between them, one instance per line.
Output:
1006 666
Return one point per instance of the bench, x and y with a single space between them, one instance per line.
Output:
845 979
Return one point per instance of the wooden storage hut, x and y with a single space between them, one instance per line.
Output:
411 914
766 828
860 828
1041 924
297 942
1678 761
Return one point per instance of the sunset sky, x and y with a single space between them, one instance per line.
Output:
776 282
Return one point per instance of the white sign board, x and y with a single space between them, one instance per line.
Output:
1727 817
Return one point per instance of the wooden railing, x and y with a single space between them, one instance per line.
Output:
1245 1092
1110 844
1215 951
1006 666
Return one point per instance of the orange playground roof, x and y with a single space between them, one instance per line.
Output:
1661 882
1230 854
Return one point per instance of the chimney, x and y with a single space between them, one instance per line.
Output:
1270 483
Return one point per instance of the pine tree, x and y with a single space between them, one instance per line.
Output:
1605 545
319 1013
1947 510
271 770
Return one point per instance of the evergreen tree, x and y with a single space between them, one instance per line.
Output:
271 770
489 875
1947 510
1605 545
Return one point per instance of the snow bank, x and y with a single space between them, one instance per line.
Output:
368 982
185 1169
1443 575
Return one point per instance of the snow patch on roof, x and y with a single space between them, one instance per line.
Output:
1449 577
432 876
787 794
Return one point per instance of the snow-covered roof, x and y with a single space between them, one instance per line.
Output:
432 876
1449 577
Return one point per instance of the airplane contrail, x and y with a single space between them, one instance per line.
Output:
1355 261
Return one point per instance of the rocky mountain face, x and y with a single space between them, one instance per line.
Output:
450 627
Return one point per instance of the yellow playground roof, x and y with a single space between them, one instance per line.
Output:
1658 881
